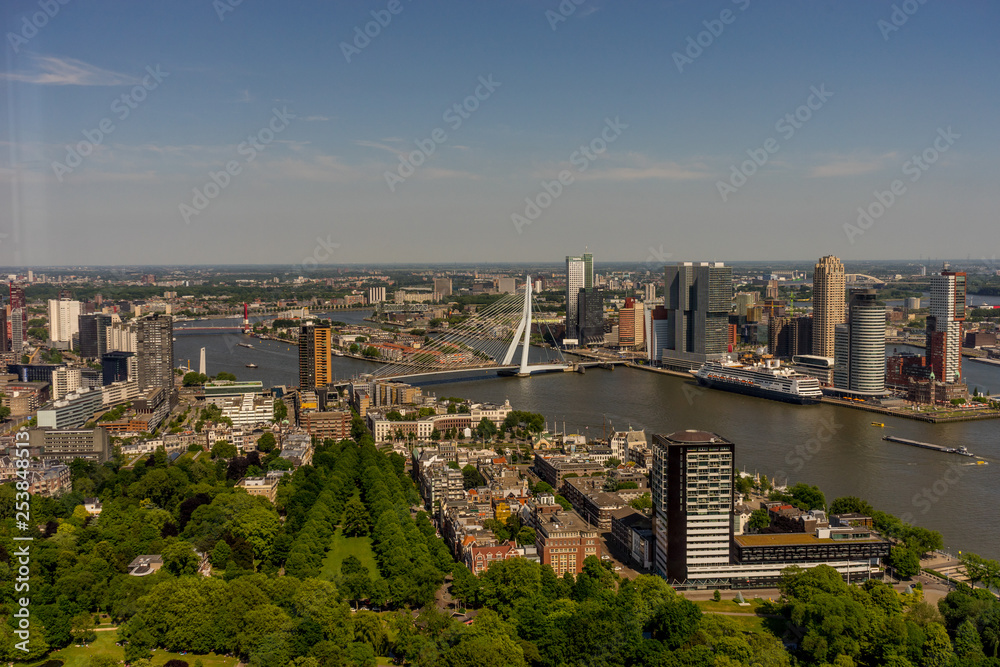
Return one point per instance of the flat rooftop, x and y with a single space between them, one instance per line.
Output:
789 539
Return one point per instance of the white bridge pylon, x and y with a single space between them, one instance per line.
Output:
523 326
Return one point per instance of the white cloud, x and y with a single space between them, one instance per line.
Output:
53 71
850 165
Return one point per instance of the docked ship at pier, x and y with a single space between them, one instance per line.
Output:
767 379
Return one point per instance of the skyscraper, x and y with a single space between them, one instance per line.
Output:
17 301
829 308
115 367
631 324
859 345
64 322
94 335
576 271
588 269
314 356
944 324
692 493
18 329
4 338
698 298
155 348
442 286
590 313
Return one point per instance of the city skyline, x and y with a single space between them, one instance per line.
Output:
671 136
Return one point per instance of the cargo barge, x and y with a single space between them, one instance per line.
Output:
962 451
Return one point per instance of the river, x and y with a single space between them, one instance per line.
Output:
833 447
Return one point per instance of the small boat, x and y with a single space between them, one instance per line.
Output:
878 424
252 366
245 345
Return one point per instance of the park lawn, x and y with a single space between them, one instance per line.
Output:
341 547
729 605
74 656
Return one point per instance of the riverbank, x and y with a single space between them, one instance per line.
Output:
936 417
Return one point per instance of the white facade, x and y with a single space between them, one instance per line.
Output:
121 336
249 409
120 392
376 294
65 380
943 307
64 320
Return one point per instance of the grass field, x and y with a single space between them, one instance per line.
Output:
105 645
341 547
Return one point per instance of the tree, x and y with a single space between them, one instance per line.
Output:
357 522
486 429
643 503
280 411
465 586
565 504
905 561
225 377
180 558
220 555
759 520
612 462
851 505
526 535
223 449
193 379
807 497
472 478
266 443
744 486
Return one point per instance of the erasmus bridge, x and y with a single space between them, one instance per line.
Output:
494 341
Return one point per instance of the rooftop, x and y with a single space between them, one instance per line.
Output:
790 539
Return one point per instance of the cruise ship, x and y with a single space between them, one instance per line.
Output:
767 380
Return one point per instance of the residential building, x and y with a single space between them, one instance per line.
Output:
94 335
859 352
650 293
553 469
693 499
266 487
18 330
71 411
564 541
145 565
631 324
576 280
507 285
64 322
117 366
591 501
442 287
66 444
945 319
65 380
334 424
829 306
122 336
590 316
622 443
376 295
315 355
155 351
632 534
479 558
698 298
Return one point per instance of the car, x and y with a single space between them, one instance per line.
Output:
605 557
618 568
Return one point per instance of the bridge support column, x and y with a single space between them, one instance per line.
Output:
526 321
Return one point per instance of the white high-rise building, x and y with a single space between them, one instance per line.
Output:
65 380
576 279
859 345
121 336
64 321
376 295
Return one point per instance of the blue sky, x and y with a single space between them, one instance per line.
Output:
662 176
